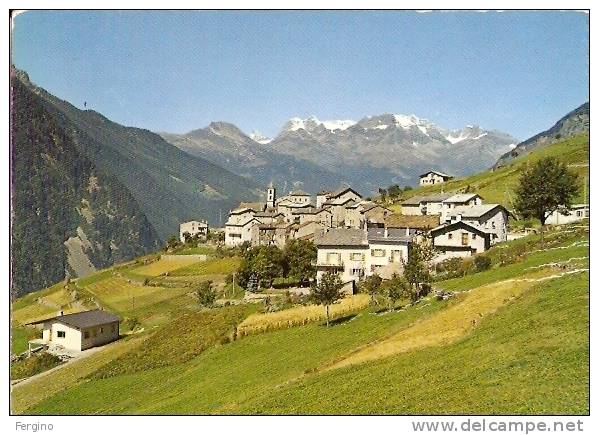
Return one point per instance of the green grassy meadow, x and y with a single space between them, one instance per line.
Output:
528 356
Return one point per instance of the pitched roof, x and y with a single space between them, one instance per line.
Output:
377 235
415 200
461 197
309 210
85 319
422 222
298 193
342 190
342 237
475 211
268 214
256 206
434 197
459 224
442 174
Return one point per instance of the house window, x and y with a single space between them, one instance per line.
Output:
377 252
101 330
464 239
61 334
86 334
450 236
579 213
357 256
493 225
357 272
473 236
333 258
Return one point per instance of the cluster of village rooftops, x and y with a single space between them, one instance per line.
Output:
356 237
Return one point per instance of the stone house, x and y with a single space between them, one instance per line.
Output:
193 228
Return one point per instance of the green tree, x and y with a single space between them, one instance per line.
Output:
382 194
327 292
267 264
417 269
396 289
172 243
394 191
299 258
206 294
371 285
547 186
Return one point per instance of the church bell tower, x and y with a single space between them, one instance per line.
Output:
271 196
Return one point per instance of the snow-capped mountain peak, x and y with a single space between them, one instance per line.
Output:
312 122
256 136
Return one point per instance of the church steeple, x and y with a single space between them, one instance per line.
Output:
271 195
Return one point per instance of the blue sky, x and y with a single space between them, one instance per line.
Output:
177 71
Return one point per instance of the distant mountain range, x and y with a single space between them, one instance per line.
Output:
375 151
574 123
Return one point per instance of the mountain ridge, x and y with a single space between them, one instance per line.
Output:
573 123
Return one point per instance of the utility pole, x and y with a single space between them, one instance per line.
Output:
233 287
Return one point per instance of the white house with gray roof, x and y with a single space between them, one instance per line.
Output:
434 177
355 253
491 218
459 239
79 331
460 200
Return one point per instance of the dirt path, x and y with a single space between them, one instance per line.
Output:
451 324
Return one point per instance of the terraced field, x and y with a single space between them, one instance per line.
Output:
163 266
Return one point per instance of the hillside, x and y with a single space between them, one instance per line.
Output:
572 124
497 186
169 185
68 216
514 340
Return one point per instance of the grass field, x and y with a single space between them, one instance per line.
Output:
498 186
526 353
20 337
221 266
163 266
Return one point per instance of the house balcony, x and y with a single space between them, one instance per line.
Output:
335 265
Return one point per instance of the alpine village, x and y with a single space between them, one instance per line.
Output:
210 285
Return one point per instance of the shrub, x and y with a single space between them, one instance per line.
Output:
482 263
34 365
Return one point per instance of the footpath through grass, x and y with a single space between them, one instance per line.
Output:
531 357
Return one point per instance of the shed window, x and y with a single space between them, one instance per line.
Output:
61 334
